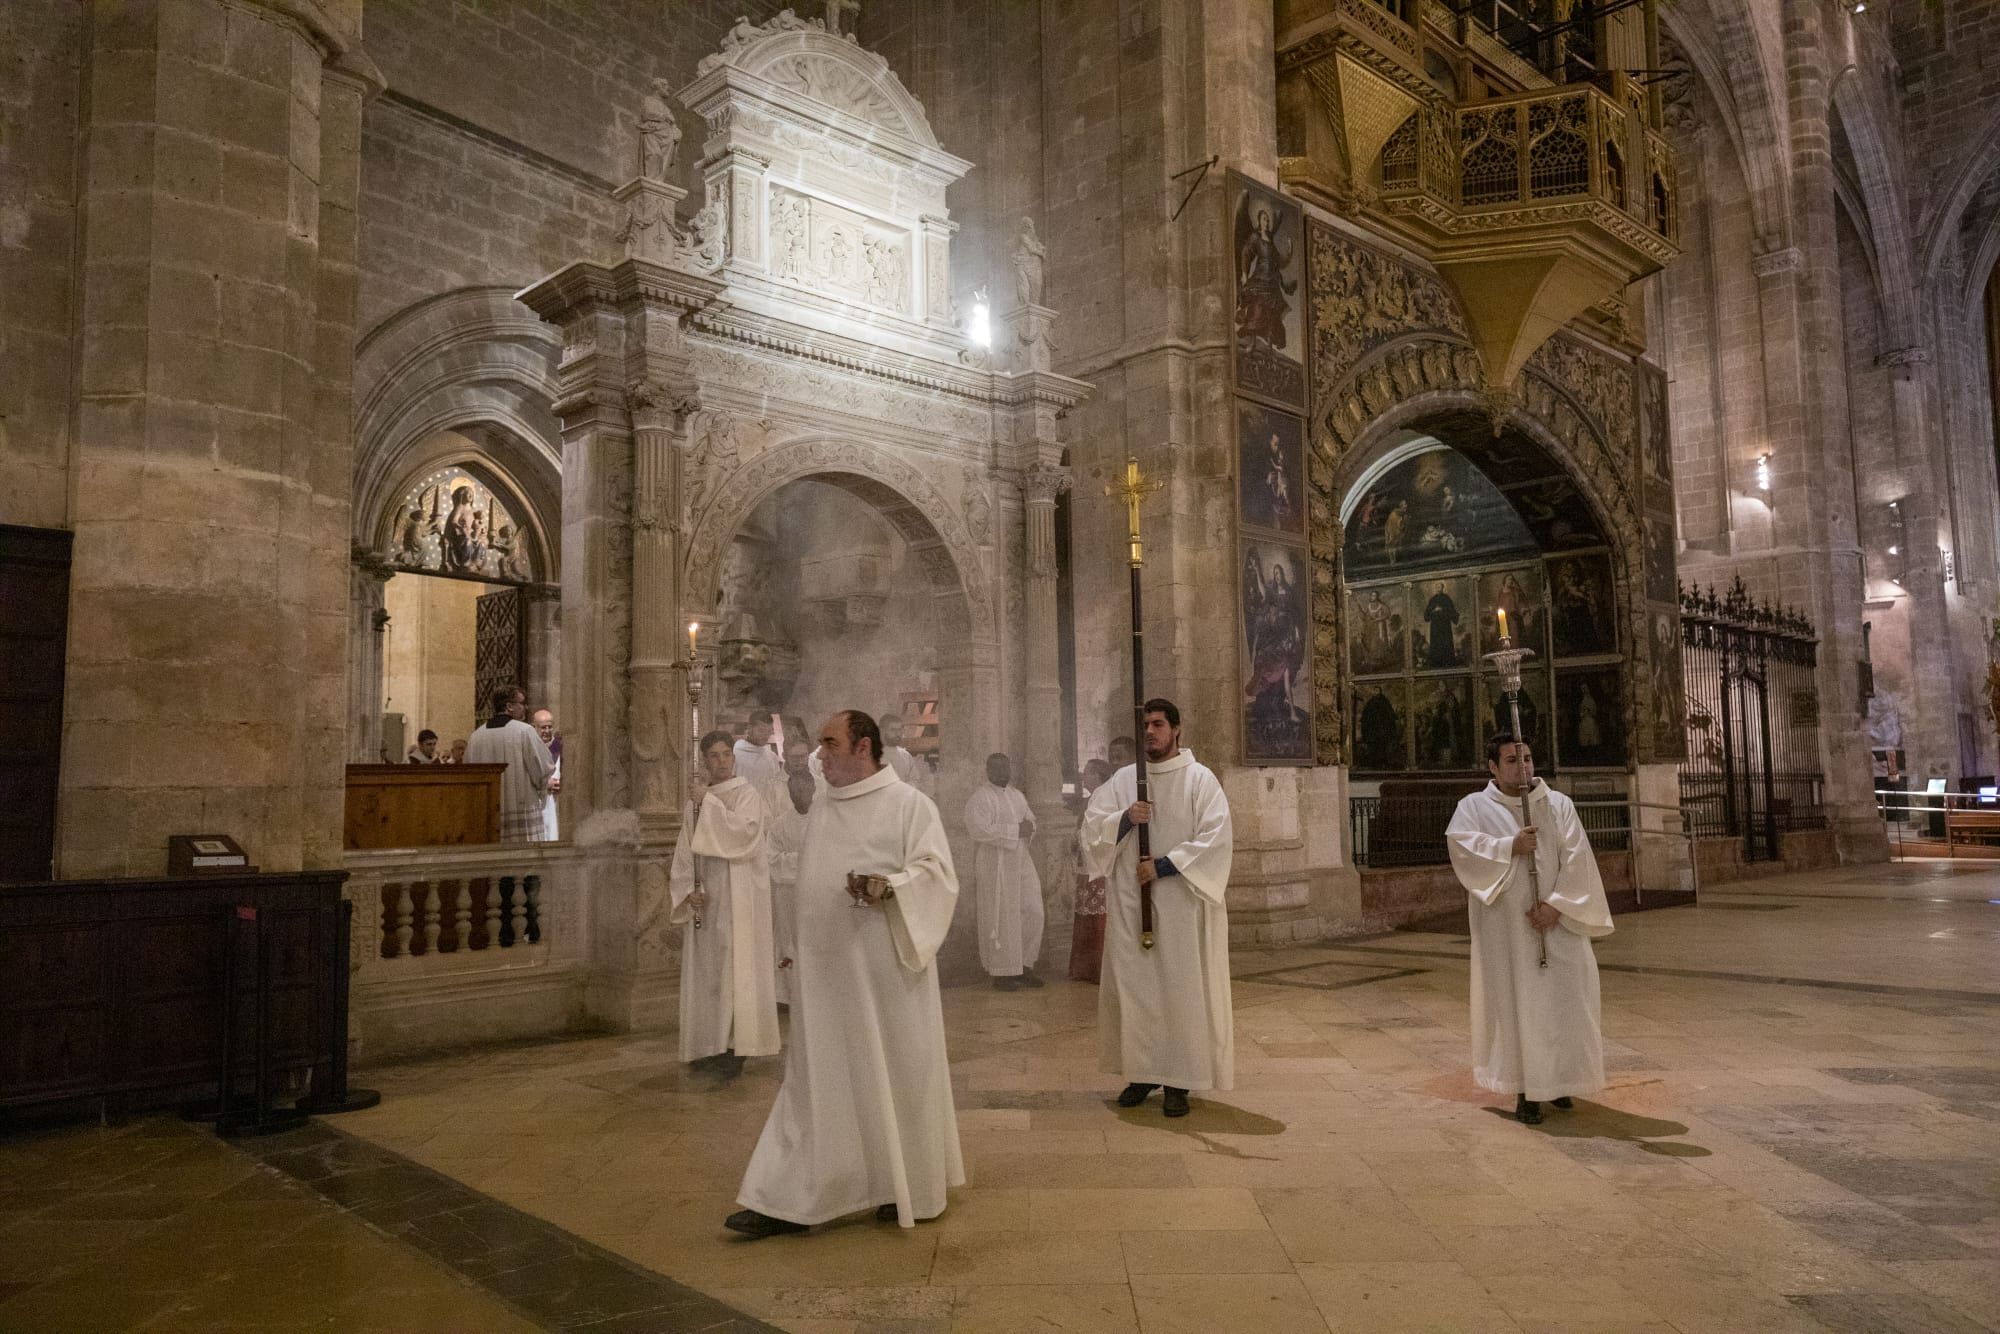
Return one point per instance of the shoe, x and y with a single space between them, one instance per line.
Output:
1029 980
730 1064
1006 984
1135 1094
1176 1103
1564 1103
885 1213
1526 1112
753 1224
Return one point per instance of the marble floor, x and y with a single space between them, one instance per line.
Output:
1800 1135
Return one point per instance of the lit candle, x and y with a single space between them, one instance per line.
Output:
694 630
1503 622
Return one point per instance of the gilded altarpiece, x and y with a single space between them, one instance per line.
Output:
1388 349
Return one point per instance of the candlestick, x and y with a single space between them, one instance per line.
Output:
694 632
1503 623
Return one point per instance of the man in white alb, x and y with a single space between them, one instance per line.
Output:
788 798
864 1118
756 763
729 1002
1163 1014
505 739
1008 890
907 766
1536 1031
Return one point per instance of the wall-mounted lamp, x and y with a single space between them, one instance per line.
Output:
1764 477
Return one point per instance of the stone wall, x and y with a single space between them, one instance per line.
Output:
40 98
491 157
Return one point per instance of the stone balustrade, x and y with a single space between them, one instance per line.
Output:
469 944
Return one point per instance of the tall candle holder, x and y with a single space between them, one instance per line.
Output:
1507 665
692 665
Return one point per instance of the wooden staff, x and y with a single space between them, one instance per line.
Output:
1133 489
1508 663
694 745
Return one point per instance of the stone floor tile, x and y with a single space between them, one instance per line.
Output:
1404 1297
1205 1252
979 1258
1103 1308
1203 1304
1142 1210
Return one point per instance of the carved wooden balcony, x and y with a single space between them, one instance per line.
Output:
1536 205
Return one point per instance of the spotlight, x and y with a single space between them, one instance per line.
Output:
1764 474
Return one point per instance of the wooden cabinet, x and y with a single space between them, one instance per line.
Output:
112 989
422 805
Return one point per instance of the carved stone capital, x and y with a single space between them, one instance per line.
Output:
1041 483
661 405
1897 358
370 563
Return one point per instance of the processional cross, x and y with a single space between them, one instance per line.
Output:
1133 489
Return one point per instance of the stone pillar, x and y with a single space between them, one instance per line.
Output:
1931 737
541 623
626 397
209 603
367 626
1043 781
661 759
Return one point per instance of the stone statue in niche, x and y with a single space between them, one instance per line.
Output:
659 132
1030 258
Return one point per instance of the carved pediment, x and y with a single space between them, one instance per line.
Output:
802 57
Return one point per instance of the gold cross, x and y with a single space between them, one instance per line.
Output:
1134 489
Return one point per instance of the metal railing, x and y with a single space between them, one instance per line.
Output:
1407 830
1940 824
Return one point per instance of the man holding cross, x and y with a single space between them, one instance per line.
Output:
1163 1013
1536 1030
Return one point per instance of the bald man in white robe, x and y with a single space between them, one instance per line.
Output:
1164 1015
1011 915
864 1118
1536 1032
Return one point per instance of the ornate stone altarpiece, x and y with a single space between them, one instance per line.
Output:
1390 350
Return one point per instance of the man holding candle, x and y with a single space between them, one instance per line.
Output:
1536 1031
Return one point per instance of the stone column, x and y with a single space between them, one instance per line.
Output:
541 623
660 719
367 626
209 601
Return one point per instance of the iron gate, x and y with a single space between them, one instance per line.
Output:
1753 768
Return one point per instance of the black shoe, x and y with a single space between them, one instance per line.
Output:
1176 1103
753 1224
1135 1094
886 1213
730 1064
1006 984
1564 1103
1029 980
1526 1112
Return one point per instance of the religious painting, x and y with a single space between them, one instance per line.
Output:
1277 690
1590 717
1441 635
1376 619
1270 468
1495 717
1441 707
1585 608
1433 509
1669 692
1662 583
451 523
1268 290
1520 594
1381 710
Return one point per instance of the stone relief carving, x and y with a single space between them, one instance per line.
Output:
648 230
744 33
978 511
822 389
717 443
708 235
840 86
1599 383
1362 298
659 132
835 250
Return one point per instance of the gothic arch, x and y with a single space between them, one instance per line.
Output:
462 449
1859 106
921 513
1723 46
474 362
1940 226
